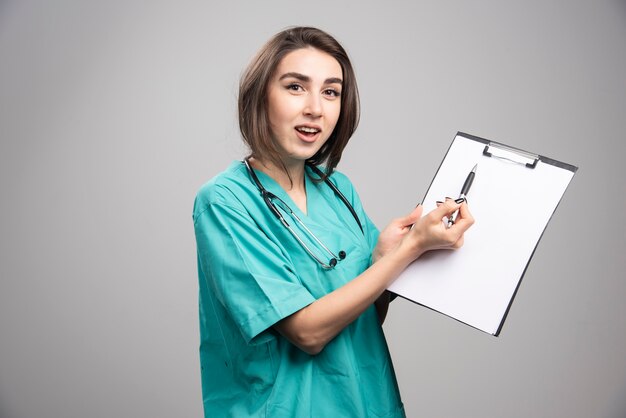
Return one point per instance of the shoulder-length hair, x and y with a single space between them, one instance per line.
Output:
253 115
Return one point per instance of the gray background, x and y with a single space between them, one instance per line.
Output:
114 113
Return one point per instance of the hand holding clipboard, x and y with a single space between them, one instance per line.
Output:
477 284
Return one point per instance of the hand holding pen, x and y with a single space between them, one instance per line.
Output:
463 195
431 231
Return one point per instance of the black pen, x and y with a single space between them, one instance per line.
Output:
463 194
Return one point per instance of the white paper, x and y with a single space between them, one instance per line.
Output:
512 205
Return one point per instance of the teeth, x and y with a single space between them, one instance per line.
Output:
307 130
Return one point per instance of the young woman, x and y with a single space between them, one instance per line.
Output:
292 272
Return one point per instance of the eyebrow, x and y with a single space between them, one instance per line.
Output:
307 79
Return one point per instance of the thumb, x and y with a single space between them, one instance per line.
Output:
412 217
446 209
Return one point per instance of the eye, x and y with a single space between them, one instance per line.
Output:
332 92
294 87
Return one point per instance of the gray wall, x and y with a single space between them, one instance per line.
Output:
112 114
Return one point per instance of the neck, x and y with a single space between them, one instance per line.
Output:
290 180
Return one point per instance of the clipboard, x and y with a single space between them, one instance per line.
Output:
513 197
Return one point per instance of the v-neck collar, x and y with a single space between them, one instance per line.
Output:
322 219
310 189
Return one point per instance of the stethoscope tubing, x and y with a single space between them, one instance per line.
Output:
268 199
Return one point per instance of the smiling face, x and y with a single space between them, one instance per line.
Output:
304 103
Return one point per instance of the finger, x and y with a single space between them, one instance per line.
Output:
417 212
464 212
445 209
412 217
464 219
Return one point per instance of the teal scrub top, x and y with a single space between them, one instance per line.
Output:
253 273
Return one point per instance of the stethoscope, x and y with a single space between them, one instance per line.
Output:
273 202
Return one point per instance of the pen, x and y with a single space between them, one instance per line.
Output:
463 194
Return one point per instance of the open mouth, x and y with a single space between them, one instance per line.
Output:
307 132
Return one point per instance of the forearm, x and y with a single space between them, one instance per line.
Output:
312 327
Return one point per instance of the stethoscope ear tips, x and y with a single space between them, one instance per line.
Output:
333 261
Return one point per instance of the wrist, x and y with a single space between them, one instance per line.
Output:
399 257
376 255
410 249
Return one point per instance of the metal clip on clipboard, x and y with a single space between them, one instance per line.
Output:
510 154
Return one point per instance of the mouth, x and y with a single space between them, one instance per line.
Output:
308 133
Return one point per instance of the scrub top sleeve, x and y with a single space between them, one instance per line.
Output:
248 273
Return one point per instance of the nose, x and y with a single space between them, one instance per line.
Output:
314 106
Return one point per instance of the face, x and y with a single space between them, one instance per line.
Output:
304 103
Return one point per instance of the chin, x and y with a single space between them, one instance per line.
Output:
303 155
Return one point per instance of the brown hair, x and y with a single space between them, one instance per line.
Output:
253 116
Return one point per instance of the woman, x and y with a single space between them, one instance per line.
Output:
292 271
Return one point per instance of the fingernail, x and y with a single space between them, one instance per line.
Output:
439 202
460 200
448 198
